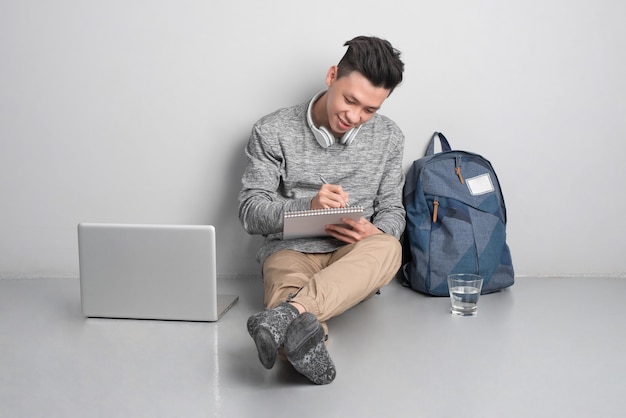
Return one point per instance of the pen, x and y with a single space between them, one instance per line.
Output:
345 200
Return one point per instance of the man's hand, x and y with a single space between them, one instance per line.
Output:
353 231
330 196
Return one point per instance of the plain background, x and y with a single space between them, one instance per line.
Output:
139 111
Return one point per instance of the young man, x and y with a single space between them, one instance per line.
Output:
332 152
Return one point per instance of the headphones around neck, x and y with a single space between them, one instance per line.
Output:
323 136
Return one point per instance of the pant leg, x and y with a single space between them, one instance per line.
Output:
329 284
286 272
354 273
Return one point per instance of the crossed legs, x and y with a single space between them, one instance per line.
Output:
324 286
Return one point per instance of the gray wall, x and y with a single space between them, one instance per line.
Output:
139 110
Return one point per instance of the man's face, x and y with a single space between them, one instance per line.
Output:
352 100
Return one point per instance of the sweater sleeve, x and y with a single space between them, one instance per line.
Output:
389 213
261 208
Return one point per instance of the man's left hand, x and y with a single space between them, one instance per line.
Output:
353 231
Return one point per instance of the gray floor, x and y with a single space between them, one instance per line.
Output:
548 347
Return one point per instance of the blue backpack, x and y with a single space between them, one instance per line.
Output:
456 222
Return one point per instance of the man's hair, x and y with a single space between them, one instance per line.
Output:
375 59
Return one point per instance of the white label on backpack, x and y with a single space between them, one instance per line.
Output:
480 184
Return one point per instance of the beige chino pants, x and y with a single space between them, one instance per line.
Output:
329 284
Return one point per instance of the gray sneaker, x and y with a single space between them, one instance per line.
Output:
306 351
268 329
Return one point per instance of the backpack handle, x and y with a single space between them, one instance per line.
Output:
445 146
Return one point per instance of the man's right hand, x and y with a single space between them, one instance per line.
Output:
330 196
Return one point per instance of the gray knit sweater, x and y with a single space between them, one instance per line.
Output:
285 163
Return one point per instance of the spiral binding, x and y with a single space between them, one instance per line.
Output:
327 211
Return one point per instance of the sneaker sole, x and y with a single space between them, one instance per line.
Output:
302 335
266 347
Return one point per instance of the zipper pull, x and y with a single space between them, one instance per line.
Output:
457 169
435 208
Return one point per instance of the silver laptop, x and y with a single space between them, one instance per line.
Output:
163 272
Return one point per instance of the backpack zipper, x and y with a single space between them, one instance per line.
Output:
435 208
457 169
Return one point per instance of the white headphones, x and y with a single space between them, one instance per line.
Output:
323 136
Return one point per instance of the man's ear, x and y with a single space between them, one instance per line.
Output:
331 75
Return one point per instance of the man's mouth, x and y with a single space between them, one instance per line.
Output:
343 125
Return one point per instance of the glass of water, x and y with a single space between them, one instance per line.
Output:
464 293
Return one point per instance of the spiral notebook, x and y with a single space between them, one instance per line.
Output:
312 223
